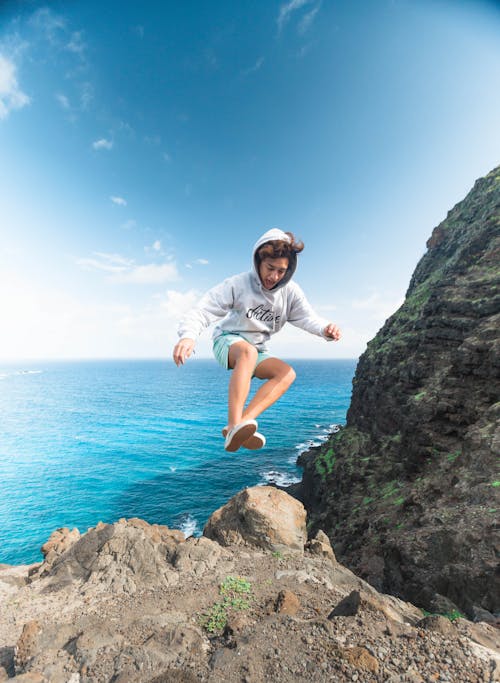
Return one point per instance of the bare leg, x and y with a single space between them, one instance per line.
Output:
280 376
241 358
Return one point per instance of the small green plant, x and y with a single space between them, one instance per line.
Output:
278 554
235 584
236 593
216 618
451 457
452 616
496 484
399 501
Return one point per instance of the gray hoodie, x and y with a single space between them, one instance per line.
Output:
245 307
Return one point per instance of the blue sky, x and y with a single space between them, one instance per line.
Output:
144 147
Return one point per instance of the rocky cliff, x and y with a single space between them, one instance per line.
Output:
251 601
408 491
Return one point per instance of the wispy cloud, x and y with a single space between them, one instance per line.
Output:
63 101
197 262
86 95
103 143
123 270
306 22
129 225
379 305
118 200
290 8
255 67
76 44
50 26
11 95
287 10
138 30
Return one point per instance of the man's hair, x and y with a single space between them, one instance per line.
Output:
279 248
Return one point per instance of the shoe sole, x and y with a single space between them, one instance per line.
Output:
242 435
255 442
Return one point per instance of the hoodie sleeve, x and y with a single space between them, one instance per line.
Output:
301 314
213 305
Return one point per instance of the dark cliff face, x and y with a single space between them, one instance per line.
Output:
408 491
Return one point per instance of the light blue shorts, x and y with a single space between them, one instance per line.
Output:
221 349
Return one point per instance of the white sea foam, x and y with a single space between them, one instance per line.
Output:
14 373
189 525
278 478
318 439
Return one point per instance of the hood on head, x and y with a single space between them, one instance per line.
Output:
272 235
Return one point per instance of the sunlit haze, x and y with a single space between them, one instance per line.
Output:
144 147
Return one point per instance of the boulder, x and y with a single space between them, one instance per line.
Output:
124 556
261 516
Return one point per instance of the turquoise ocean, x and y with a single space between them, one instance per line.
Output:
89 441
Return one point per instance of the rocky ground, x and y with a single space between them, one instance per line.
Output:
253 600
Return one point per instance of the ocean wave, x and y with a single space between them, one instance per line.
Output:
188 525
278 478
317 440
15 373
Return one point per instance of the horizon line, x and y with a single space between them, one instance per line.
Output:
148 358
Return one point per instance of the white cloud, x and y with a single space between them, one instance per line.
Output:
63 101
86 95
255 67
157 245
306 22
11 96
129 225
287 10
46 322
109 263
49 24
153 140
122 270
118 200
176 303
150 274
76 43
102 144
202 261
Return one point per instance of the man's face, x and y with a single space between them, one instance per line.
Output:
272 270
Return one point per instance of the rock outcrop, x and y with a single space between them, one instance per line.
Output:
408 491
104 608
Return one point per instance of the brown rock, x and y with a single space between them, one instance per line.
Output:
59 541
360 658
122 557
439 624
196 555
320 545
287 603
26 646
262 516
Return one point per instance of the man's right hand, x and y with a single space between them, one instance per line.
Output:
183 350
